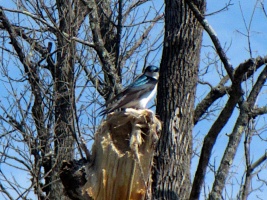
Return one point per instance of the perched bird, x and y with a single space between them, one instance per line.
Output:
137 94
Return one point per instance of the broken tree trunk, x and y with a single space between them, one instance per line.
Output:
122 157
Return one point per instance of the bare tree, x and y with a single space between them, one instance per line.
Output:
57 59
241 99
61 60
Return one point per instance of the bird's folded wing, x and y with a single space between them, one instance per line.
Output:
129 97
140 83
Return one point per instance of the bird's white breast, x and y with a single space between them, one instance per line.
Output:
147 97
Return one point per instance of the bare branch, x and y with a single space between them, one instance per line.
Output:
14 42
248 26
3 189
211 97
247 142
235 137
137 44
94 80
119 31
258 111
245 70
258 162
209 142
227 65
263 8
133 6
225 8
106 59
52 28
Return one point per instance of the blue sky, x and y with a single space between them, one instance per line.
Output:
228 25
230 28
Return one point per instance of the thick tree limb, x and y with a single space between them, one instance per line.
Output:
243 71
258 162
211 97
235 137
258 111
7 25
209 142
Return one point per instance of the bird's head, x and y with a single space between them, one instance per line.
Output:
152 71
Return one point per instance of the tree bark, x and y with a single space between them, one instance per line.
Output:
121 161
64 95
175 100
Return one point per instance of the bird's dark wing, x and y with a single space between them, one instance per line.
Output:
137 84
139 87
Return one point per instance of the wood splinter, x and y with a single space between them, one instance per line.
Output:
121 160
122 156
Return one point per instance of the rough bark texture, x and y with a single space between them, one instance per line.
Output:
121 162
63 77
176 93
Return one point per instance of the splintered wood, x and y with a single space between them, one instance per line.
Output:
122 156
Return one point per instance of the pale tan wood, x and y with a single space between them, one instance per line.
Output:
122 156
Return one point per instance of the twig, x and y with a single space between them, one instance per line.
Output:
201 19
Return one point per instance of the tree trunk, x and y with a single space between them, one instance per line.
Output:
175 100
64 96
121 161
